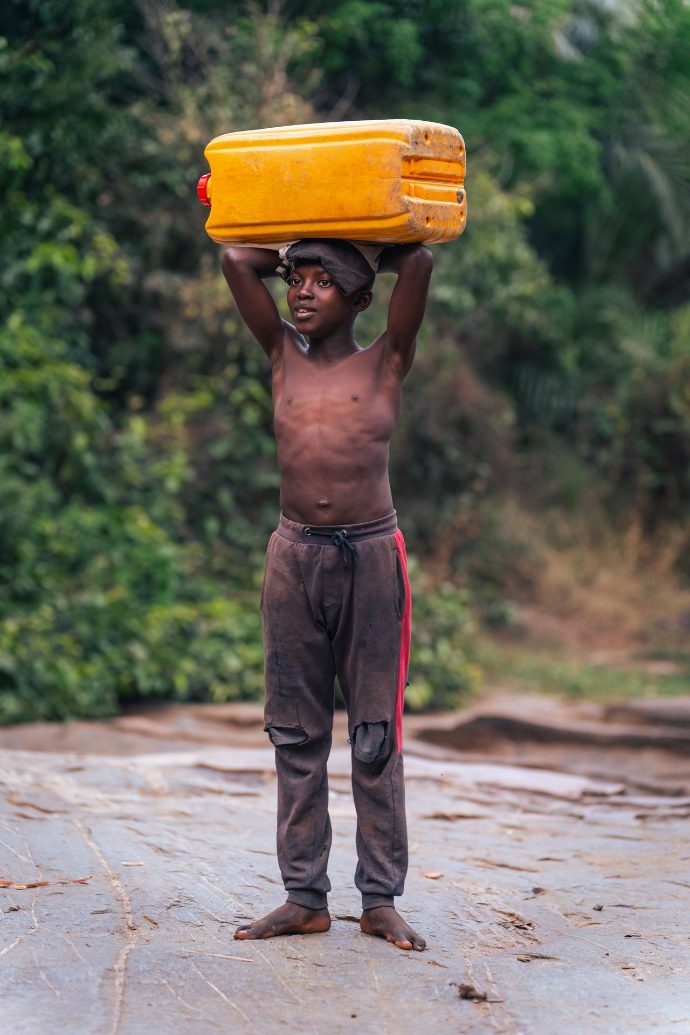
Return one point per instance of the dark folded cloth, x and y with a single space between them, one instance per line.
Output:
345 263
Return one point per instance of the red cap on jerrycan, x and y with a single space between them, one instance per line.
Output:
203 190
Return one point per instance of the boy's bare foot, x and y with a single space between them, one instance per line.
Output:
287 919
386 922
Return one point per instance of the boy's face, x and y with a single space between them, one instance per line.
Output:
317 305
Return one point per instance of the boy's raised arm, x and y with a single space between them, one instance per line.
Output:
413 263
244 270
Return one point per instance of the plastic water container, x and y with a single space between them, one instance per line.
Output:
391 181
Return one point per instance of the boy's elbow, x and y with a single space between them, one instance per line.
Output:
426 257
421 263
421 259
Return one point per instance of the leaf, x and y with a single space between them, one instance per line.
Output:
4 883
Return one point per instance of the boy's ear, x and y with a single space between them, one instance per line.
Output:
361 300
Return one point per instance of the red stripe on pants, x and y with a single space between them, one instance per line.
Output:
405 640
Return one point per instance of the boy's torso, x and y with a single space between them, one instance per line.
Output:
333 424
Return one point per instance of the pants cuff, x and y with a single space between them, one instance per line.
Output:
373 901
308 899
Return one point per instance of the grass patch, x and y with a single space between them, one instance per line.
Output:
533 670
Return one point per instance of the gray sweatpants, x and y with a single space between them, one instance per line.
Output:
336 602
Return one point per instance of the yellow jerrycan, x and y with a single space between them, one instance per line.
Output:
392 181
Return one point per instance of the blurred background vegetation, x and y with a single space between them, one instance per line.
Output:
542 466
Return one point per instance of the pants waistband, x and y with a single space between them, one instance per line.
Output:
322 535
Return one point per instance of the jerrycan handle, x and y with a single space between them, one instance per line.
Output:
203 190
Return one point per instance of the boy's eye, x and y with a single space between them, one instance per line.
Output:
324 282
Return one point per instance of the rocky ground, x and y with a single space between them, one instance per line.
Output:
549 871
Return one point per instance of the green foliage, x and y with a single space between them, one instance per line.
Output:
61 67
442 664
368 44
88 652
105 603
136 452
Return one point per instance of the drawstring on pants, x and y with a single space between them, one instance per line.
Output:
347 549
338 536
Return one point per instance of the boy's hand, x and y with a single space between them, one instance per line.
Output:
262 260
396 256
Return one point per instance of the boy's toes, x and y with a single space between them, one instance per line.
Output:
386 922
243 933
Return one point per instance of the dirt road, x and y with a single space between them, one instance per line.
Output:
553 902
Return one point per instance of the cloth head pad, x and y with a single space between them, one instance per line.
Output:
348 267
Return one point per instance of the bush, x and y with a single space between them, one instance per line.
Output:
442 669
104 600
88 655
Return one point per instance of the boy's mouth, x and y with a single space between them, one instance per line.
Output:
302 312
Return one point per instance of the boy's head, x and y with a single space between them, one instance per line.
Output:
350 270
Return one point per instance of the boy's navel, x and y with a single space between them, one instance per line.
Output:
323 502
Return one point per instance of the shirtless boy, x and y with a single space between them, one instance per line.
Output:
336 598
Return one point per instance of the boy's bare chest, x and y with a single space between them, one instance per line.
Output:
348 394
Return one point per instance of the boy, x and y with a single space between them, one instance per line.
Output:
336 597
